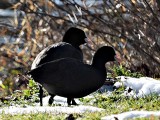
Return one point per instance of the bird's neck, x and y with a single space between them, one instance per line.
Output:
71 41
99 65
76 46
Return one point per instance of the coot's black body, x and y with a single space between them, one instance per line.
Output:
72 39
71 78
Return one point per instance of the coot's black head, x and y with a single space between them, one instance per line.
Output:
75 36
106 53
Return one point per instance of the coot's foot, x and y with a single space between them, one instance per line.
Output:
71 101
70 117
74 102
40 95
51 100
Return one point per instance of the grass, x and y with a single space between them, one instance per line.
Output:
122 71
50 116
112 104
38 116
150 118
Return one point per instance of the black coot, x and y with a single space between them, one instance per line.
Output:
72 39
71 78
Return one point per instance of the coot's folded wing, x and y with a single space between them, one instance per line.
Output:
57 51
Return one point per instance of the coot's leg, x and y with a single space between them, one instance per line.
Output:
69 101
40 95
51 99
73 102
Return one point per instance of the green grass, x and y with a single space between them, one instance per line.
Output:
49 116
150 118
122 71
112 104
38 116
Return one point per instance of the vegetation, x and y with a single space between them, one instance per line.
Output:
44 116
122 71
112 104
22 97
116 103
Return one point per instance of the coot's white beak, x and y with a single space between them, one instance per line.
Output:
117 59
89 43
